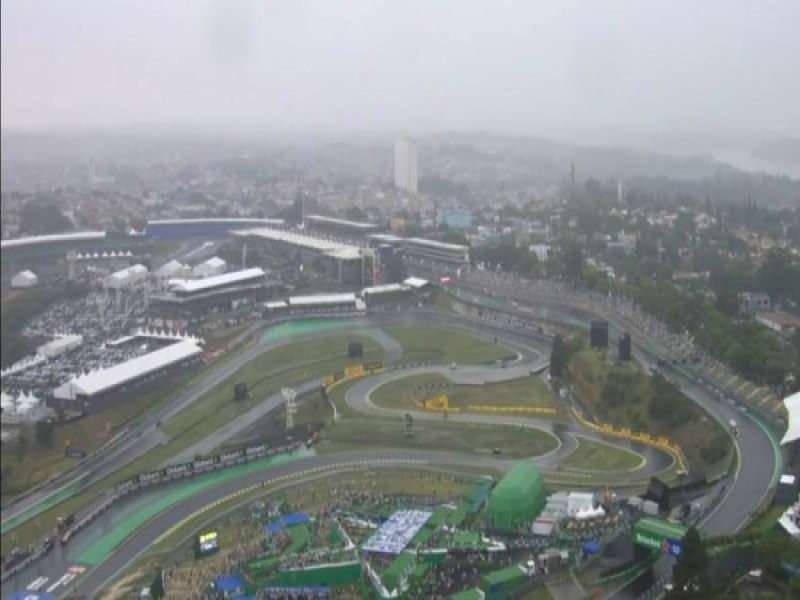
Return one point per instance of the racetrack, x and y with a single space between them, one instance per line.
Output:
757 463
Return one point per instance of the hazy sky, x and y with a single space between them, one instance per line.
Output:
528 66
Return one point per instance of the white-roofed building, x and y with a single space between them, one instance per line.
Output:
792 404
416 282
24 280
104 381
346 263
347 303
191 286
323 300
210 268
216 295
60 345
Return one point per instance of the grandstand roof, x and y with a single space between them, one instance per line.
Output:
385 289
105 379
416 282
792 404
80 236
436 244
276 304
217 220
385 237
342 222
308 242
322 299
189 286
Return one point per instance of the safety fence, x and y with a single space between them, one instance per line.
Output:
659 442
139 482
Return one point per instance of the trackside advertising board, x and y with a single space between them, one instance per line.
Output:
659 535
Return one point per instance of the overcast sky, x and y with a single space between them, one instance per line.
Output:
532 67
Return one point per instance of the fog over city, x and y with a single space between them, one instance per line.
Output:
702 73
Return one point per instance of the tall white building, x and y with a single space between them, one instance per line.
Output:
405 165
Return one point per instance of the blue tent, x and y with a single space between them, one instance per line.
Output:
591 547
293 519
228 583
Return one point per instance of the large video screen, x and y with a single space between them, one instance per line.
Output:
207 543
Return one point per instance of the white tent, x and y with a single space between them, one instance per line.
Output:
7 403
213 266
792 404
24 279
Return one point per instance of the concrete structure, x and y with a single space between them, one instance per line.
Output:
405 165
518 499
24 280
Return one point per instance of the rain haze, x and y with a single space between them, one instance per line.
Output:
581 70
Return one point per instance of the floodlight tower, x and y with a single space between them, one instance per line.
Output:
291 407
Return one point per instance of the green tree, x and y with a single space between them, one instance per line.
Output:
559 356
690 573
779 276
573 261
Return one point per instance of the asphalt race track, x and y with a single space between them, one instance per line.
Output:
757 467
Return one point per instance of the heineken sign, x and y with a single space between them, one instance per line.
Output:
668 546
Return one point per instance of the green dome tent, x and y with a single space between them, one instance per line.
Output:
518 499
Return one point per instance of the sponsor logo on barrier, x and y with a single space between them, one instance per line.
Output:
256 449
229 456
354 370
203 463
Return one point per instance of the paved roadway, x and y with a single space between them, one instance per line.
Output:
358 397
757 464
759 456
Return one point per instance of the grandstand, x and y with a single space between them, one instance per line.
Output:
106 384
58 256
434 251
197 298
339 226
382 294
185 228
375 240
343 262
